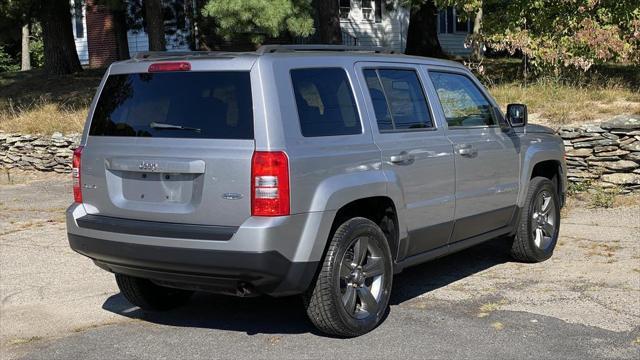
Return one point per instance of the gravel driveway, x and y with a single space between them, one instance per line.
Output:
583 303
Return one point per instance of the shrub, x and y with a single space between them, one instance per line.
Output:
7 63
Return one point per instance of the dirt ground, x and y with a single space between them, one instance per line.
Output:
52 298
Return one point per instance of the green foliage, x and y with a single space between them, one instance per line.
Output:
36 48
603 198
578 187
261 18
555 36
7 63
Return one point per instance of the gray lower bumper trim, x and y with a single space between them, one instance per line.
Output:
156 228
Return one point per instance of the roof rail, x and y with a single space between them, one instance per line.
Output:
148 55
265 49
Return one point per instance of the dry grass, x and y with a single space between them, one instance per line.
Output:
43 118
563 104
33 102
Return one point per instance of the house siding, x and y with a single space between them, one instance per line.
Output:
391 32
453 44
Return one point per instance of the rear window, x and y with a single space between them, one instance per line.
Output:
210 105
325 102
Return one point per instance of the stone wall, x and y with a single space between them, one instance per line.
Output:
607 154
36 152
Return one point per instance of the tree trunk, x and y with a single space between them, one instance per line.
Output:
422 35
476 36
120 31
328 22
26 56
60 56
155 24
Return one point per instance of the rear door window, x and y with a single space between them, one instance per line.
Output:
325 102
398 99
211 105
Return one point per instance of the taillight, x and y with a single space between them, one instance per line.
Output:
75 174
269 183
170 66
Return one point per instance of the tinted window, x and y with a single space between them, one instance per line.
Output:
463 103
212 105
380 107
325 102
398 100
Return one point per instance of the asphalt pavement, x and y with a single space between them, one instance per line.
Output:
583 303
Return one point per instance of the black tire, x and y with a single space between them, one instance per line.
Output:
149 296
324 300
524 246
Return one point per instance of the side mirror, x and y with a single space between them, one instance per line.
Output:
517 115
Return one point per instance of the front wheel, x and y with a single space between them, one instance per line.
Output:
537 232
351 294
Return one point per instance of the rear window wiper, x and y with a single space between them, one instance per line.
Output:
161 126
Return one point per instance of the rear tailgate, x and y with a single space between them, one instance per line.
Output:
171 147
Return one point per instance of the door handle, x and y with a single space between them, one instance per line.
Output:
467 150
404 158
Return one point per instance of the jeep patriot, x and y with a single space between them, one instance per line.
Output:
312 170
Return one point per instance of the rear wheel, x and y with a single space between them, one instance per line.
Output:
149 296
351 294
537 232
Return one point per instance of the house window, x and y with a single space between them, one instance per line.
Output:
449 22
78 19
345 8
367 9
378 11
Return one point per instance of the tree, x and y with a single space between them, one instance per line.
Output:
60 56
16 19
328 21
118 10
260 18
559 35
476 36
25 51
422 35
155 24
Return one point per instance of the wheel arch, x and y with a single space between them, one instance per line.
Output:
546 163
379 209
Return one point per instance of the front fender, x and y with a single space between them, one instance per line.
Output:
540 148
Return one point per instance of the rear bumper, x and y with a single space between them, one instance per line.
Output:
273 256
235 273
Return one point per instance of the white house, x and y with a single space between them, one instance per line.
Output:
370 23
363 23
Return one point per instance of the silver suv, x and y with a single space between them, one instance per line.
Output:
313 170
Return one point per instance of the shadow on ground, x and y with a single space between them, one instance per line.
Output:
266 315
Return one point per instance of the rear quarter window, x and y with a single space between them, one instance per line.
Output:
325 102
211 105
